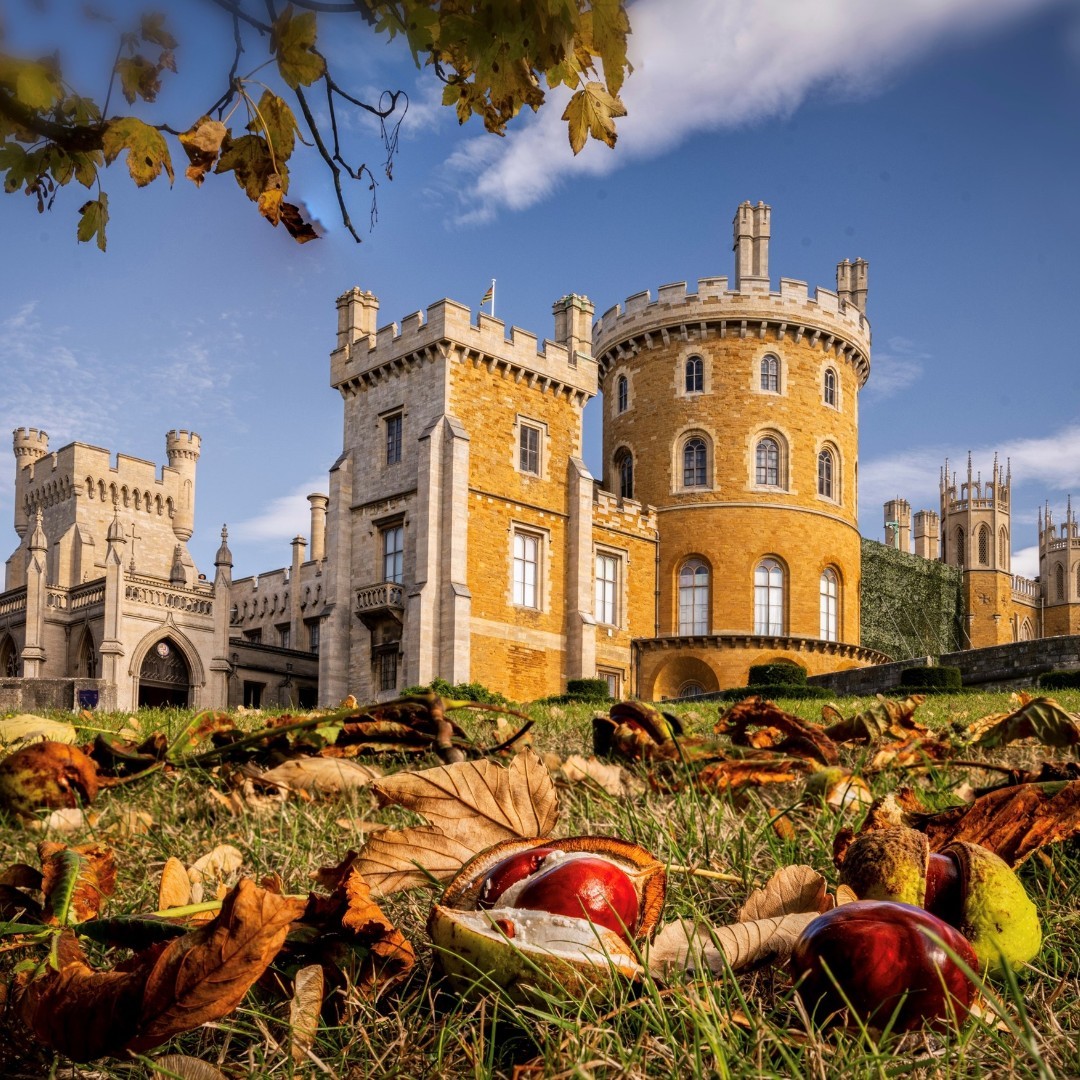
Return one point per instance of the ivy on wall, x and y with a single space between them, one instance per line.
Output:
910 606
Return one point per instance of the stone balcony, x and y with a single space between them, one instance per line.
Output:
380 601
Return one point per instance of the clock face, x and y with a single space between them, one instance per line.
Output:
162 649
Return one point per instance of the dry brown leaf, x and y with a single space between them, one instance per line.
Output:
478 803
186 1067
799 738
95 882
396 859
791 890
1038 718
684 947
129 822
390 956
845 894
304 1008
1014 822
216 865
204 975
916 750
752 772
175 887
783 826
360 825
613 779
885 718
320 776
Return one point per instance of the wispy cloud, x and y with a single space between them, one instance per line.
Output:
704 66
895 367
283 518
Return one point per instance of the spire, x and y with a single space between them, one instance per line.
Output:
178 575
37 537
224 555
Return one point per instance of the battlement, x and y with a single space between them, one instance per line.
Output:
717 309
29 442
973 493
183 443
423 336
626 515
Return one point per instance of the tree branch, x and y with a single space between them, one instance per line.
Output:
75 138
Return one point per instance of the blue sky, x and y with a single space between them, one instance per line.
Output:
940 141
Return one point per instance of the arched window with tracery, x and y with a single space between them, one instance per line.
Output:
826 468
768 463
624 467
830 604
695 375
9 658
769 597
622 394
829 387
693 597
770 374
695 462
1059 582
984 545
959 545
1003 548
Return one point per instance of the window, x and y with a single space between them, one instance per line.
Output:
769 598
984 546
613 680
767 462
253 694
1003 549
393 543
9 659
695 375
770 374
313 636
830 594
607 582
529 449
253 635
622 394
624 464
393 439
284 637
829 387
694 463
1059 582
694 598
825 474
691 690
386 668
959 546
526 569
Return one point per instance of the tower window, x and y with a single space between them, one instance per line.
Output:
526 569
694 463
694 597
529 449
769 597
770 374
622 394
829 388
959 546
767 470
393 544
624 463
1003 549
1059 582
984 546
695 375
825 474
830 595
393 439
607 581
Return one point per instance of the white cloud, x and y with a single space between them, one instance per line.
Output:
283 518
704 65
1025 562
895 368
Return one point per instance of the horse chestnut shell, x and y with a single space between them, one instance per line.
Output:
886 962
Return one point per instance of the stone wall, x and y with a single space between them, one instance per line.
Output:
37 695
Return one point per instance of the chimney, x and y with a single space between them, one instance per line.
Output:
927 534
319 504
358 312
573 325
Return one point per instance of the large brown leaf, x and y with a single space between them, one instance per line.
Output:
884 718
749 772
783 732
396 859
478 803
792 890
205 974
1037 718
321 776
1014 822
76 881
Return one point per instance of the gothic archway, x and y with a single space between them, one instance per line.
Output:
164 677
9 658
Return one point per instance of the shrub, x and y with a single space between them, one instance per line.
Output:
931 678
460 692
1060 680
587 689
775 690
779 673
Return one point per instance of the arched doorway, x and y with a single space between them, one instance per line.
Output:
9 658
164 678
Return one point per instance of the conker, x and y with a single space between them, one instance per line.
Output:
508 872
886 962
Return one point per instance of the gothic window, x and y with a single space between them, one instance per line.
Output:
1026 632
768 463
1003 548
526 569
1059 582
622 394
88 661
829 387
694 458
769 597
695 375
393 438
393 546
959 545
825 465
284 637
624 465
693 597
607 589
313 635
830 596
984 546
9 659
770 374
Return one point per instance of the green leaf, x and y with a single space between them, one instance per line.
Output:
147 152
35 87
94 216
138 78
590 112
249 157
276 121
293 42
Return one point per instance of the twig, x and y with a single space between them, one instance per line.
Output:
712 875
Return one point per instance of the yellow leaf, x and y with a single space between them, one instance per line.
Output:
270 208
147 153
590 112
294 43
93 217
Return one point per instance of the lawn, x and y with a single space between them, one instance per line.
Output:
748 1024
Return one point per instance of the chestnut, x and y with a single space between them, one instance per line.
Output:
886 962
587 887
508 872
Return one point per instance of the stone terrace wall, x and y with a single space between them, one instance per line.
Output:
36 695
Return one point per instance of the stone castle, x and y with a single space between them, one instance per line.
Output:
463 537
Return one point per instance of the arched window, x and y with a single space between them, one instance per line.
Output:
1059 582
959 545
829 387
770 374
695 375
984 546
691 689
825 474
693 597
768 470
830 598
769 597
1003 548
694 463
1078 579
1025 630
9 658
624 466
622 394
88 661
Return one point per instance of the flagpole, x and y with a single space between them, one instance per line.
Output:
493 298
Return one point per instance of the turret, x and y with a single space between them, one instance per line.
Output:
319 504
573 325
30 445
358 313
752 229
927 534
183 448
898 524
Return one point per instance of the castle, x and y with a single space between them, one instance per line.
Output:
463 537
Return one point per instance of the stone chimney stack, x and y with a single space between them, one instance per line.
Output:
859 271
898 524
752 228
319 504
358 314
573 325
927 534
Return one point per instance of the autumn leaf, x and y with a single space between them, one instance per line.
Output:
298 228
293 42
1038 718
248 158
139 78
886 717
802 739
320 776
76 881
275 121
171 1066
147 152
152 29
175 887
750 772
590 111
396 859
202 144
613 779
610 29
205 974
36 87
304 1008
27 728
791 890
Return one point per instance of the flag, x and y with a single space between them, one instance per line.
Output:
489 296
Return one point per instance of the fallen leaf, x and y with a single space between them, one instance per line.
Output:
751 772
215 865
791 890
783 826
129 822
47 774
320 776
613 779
25 728
65 821
916 750
885 717
799 738
76 881
396 859
304 1008
187 1068
1038 718
175 887
845 894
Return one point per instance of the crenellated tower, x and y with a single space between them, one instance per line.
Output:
183 448
30 444
1059 571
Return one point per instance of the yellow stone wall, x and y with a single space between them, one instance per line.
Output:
988 593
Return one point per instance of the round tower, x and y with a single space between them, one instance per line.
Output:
735 413
29 445
183 448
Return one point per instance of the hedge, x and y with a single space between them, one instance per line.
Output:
931 678
778 690
780 673
1060 680
588 689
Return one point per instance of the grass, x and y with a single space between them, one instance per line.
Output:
746 1025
